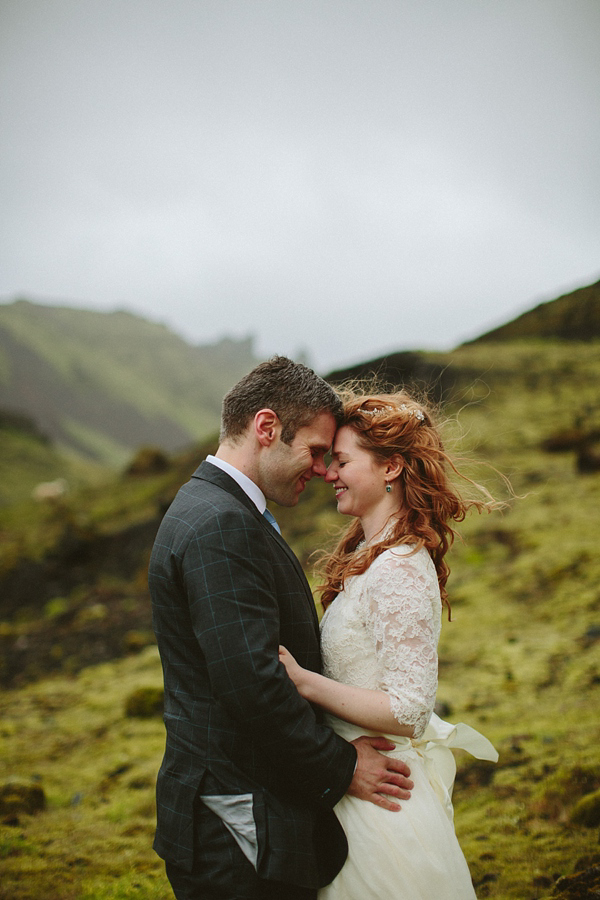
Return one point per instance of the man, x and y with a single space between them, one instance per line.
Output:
250 776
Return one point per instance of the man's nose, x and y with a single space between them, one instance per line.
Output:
319 468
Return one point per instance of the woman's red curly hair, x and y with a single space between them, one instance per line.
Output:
389 425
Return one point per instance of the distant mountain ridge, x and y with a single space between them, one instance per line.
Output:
103 384
571 317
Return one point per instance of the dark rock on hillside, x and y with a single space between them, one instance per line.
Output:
145 702
148 461
404 369
19 796
586 811
591 636
565 788
571 317
16 421
104 624
586 445
96 623
81 558
569 439
475 773
581 886
86 600
588 459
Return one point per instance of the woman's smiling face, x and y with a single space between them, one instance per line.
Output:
358 477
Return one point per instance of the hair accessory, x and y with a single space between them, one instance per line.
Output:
417 413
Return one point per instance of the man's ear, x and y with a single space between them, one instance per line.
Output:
267 426
394 466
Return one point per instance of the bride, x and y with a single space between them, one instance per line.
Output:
385 585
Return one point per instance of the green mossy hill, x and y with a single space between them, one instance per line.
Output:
572 317
520 660
73 584
102 384
32 466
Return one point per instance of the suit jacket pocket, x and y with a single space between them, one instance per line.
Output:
286 848
236 811
175 799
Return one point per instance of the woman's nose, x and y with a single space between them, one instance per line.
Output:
331 473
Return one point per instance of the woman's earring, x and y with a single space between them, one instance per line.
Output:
388 488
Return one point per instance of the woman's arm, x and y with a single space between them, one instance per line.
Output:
363 707
400 597
402 607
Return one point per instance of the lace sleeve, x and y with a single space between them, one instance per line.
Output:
404 611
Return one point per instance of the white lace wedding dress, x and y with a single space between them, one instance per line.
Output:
381 633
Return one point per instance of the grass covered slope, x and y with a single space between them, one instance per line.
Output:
105 383
520 661
97 768
29 459
571 317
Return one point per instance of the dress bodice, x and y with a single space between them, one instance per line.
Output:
381 632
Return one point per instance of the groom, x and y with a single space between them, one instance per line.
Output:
250 775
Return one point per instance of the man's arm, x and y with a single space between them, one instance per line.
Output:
227 570
228 577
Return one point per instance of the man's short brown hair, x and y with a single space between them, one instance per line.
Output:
292 390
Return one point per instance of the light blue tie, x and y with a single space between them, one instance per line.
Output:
271 518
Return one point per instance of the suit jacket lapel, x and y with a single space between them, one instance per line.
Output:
207 472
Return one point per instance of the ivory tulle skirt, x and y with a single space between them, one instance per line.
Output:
412 854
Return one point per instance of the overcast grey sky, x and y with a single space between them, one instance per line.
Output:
345 177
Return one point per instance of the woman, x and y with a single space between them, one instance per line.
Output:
385 585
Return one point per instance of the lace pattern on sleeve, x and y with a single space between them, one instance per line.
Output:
403 608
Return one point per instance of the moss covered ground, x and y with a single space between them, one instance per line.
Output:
520 661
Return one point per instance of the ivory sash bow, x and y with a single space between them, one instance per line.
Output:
435 749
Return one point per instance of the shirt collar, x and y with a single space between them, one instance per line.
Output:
247 485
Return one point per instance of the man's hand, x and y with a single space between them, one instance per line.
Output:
378 777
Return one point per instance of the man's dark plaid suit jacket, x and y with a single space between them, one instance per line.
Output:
226 591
